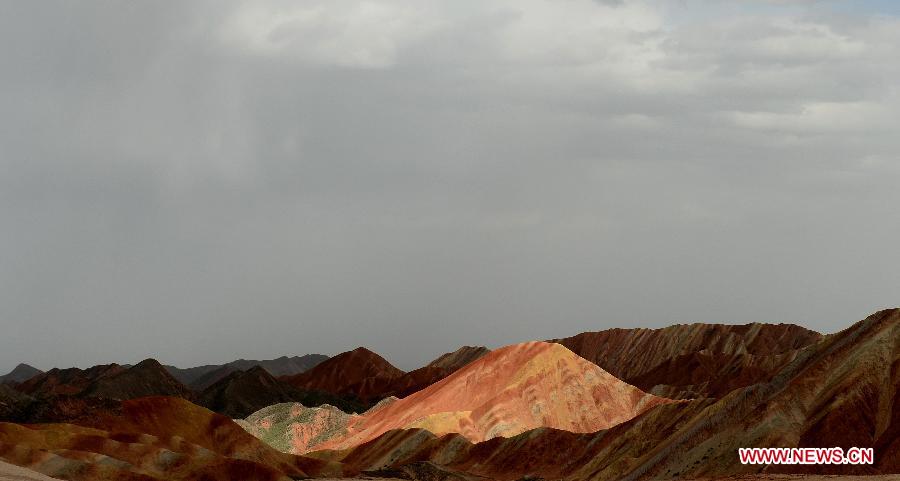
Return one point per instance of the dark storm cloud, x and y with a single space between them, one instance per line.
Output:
210 181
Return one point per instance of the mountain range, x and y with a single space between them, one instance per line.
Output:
201 377
504 393
72 393
632 404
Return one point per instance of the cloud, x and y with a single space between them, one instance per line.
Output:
206 181
822 117
362 34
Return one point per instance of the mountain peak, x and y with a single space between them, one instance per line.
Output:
361 351
148 363
146 378
20 373
359 372
520 387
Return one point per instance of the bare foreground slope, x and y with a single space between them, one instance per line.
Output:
157 438
11 472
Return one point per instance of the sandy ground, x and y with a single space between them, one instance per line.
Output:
9 472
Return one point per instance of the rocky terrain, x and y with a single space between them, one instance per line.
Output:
11 401
73 394
359 373
504 393
692 360
243 392
633 404
363 377
443 366
840 391
71 381
459 358
157 438
147 378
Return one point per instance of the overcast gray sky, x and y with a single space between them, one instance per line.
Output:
203 181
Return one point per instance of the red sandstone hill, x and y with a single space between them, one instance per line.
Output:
506 392
156 438
511 390
657 360
843 390
443 366
681 361
360 373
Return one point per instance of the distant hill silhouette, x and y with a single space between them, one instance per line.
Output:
20 373
282 366
69 381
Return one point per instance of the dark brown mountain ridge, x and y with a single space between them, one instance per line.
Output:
365 377
360 373
841 390
201 377
716 358
242 393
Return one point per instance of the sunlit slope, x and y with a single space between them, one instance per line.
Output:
504 393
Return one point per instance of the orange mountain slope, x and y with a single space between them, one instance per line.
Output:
443 366
504 393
